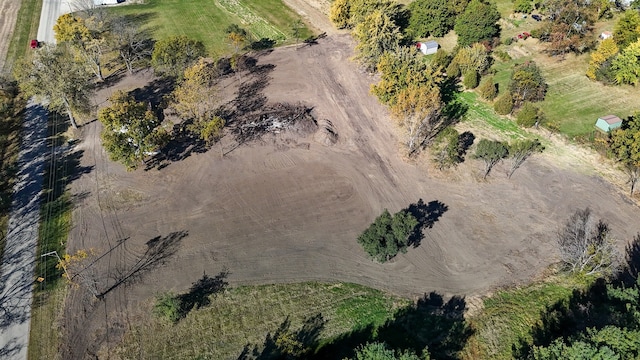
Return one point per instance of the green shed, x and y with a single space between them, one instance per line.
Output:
608 123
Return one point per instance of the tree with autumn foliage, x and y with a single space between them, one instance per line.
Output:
527 84
131 130
196 98
86 38
418 113
569 27
340 13
600 62
174 54
377 34
398 69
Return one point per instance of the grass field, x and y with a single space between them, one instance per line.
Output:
26 28
509 316
245 315
55 221
206 20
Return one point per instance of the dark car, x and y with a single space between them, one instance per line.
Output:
536 17
34 44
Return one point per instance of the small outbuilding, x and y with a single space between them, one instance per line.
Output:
606 35
428 48
608 123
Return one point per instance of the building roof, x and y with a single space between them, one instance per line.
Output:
608 33
431 44
611 119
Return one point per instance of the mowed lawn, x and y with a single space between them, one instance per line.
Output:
206 20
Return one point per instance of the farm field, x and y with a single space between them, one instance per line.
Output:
207 20
289 208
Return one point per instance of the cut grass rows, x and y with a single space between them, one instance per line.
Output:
245 315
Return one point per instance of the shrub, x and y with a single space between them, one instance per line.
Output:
453 70
504 104
488 89
167 307
441 58
471 79
508 41
502 55
447 149
523 6
529 115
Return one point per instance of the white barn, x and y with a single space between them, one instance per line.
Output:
427 48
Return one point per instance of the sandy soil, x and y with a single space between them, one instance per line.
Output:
286 211
8 14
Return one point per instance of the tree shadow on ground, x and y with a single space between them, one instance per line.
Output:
198 295
465 140
159 249
594 307
285 343
429 323
155 93
427 215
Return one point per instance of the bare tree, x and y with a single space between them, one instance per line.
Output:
633 172
131 43
586 246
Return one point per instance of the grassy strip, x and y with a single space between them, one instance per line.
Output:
206 20
509 316
26 29
55 222
245 315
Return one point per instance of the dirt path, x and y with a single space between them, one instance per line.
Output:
8 15
315 13
289 209
16 279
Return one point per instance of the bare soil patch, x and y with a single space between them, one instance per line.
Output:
289 207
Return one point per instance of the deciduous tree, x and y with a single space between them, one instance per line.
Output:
418 111
54 76
527 84
491 152
431 18
131 43
376 35
586 245
196 97
131 130
606 50
570 26
626 66
520 151
627 29
380 351
625 146
398 69
174 54
488 89
86 38
477 23
340 13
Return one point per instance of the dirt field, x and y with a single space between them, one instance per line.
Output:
8 14
290 209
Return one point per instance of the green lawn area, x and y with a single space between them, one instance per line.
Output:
509 316
206 20
245 315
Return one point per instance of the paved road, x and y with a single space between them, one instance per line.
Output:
16 273
51 10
